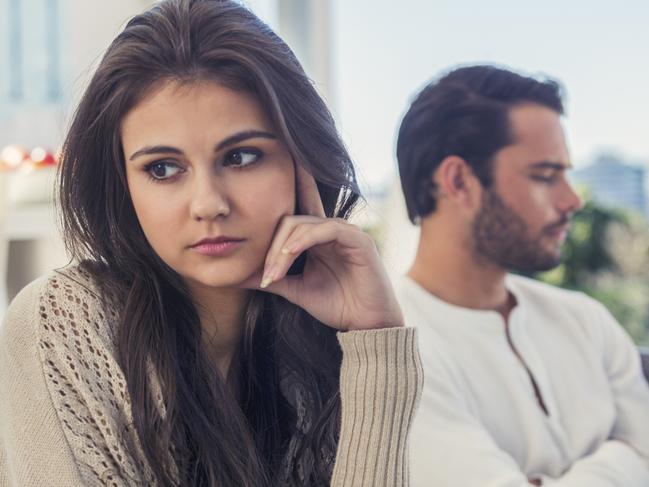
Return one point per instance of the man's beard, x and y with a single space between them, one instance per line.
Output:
501 237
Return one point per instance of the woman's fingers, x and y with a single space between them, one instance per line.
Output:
308 196
281 261
284 229
343 284
308 235
287 287
310 206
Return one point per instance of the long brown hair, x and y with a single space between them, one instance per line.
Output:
257 436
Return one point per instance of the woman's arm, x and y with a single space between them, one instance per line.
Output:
345 286
380 384
63 415
34 448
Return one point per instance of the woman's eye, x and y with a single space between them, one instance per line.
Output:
241 157
162 170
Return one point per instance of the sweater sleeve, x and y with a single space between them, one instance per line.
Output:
63 417
380 383
33 447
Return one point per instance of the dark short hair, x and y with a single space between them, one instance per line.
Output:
463 113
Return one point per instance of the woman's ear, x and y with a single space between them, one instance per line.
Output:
456 183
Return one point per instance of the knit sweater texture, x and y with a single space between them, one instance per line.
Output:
65 415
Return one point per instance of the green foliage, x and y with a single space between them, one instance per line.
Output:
586 250
606 256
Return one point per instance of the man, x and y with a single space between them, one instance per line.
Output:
526 384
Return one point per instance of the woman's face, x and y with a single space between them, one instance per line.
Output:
209 178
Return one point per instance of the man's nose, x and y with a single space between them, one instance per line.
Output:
570 201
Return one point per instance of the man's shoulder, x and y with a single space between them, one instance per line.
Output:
418 305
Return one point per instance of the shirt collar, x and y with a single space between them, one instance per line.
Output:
432 306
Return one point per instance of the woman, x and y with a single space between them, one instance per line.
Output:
226 326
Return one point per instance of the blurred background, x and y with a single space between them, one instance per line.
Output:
368 58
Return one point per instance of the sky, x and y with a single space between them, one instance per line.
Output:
385 51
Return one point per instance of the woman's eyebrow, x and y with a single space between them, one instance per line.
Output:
241 136
231 140
156 149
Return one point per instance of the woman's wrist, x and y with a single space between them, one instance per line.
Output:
395 323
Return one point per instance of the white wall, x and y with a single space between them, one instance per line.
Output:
87 28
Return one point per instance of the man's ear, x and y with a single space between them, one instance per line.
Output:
457 183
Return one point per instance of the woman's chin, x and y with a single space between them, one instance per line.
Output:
220 279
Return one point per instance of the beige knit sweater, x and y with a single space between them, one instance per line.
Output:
65 417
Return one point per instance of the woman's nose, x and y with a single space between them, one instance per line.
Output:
209 200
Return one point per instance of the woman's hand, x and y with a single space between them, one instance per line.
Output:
344 284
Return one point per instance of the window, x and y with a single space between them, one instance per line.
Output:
30 55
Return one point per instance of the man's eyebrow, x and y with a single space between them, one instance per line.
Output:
231 140
558 166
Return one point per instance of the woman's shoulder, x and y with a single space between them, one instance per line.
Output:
66 304
61 328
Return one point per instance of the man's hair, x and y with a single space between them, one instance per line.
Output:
464 113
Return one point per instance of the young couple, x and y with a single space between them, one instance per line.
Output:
225 326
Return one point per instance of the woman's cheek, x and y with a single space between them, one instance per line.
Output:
161 220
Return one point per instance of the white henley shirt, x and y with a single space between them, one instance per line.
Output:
480 422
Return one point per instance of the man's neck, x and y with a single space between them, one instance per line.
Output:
449 271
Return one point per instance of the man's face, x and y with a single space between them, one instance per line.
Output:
525 214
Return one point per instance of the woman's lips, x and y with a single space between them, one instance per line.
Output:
217 247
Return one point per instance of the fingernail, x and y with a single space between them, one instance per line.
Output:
268 277
285 251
